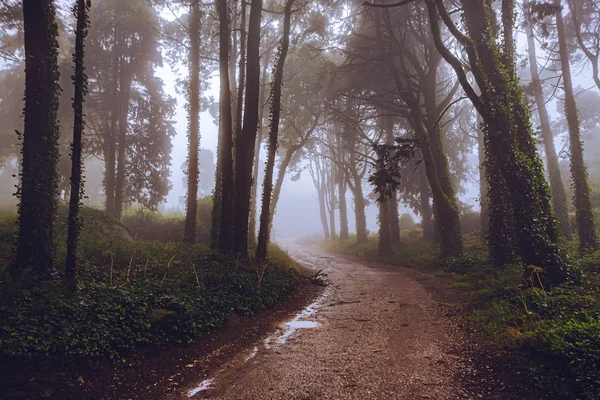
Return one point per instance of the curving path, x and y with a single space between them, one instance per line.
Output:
375 333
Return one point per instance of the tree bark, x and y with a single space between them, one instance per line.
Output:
242 73
323 211
265 215
359 204
39 178
246 140
124 95
189 234
80 84
110 161
586 230
394 217
332 200
559 195
513 166
252 239
224 194
426 213
344 232
483 187
384 246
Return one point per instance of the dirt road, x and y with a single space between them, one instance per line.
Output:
375 333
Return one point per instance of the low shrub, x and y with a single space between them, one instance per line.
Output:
104 320
132 292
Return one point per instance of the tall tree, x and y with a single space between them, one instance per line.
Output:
224 190
586 228
265 215
80 10
39 179
521 216
244 154
189 235
559 195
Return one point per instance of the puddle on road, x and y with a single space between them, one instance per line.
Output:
204 385
302 320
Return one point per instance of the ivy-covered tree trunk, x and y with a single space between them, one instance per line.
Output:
392 202
224 193
110 160
246 140
123 106
39 178
384 245
559 195
514 168
483 189
252 242
394 217
189 234
265 215
80 83
425 205
586 229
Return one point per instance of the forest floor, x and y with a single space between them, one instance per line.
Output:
376 332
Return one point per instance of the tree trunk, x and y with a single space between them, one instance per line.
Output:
394 217
323 211
224 194
514 169
124 95
332 200
586 230
189 234
245 142
447 216
265 215
257 150
426 213
359 206
384 246
110 161
283 166
559 195
242 73
80 84
39 178
344 234
483 187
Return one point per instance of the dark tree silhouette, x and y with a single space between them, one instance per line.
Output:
189 235
80 10
39 178
265 215
245 141
222 229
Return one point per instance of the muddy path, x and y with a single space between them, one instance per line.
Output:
375 333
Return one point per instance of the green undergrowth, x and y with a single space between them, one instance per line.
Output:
132 293
559 328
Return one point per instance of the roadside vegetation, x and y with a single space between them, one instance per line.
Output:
139 286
